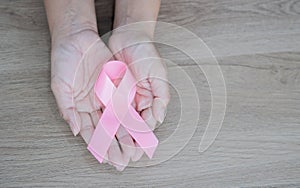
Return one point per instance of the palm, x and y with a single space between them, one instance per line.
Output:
74 69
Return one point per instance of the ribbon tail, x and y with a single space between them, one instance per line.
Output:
139 130
103 134
99 142
147 141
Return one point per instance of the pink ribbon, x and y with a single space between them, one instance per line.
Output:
118 111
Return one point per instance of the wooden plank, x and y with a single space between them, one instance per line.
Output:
256 44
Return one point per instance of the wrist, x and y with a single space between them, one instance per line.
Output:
70 17
61 31
122 39
136 15
145 28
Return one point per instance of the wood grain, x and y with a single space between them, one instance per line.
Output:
257 45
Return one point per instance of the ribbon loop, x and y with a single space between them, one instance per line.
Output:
118 111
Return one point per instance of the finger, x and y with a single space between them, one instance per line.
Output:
159 110
149 118
115 156
160 89
87 134
144 87
95 117
143 102
71 116
95 102
138 153
134 104
87 127
105 159
126 143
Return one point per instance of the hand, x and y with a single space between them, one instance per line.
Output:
135 49
76 61
77 57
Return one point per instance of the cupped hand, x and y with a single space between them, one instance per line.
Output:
138 51
152 97
76 61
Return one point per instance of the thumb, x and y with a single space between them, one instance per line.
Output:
160 89
65 104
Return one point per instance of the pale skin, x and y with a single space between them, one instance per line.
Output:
78 53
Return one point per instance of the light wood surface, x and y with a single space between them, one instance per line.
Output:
257 44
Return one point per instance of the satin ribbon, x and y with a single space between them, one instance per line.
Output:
118 111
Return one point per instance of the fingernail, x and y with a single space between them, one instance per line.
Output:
86 134
161 116
105 159
152 126
85 137
148 117
138 154
120 168
74 128
158 110
151 122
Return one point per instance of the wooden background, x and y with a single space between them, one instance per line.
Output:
257 44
